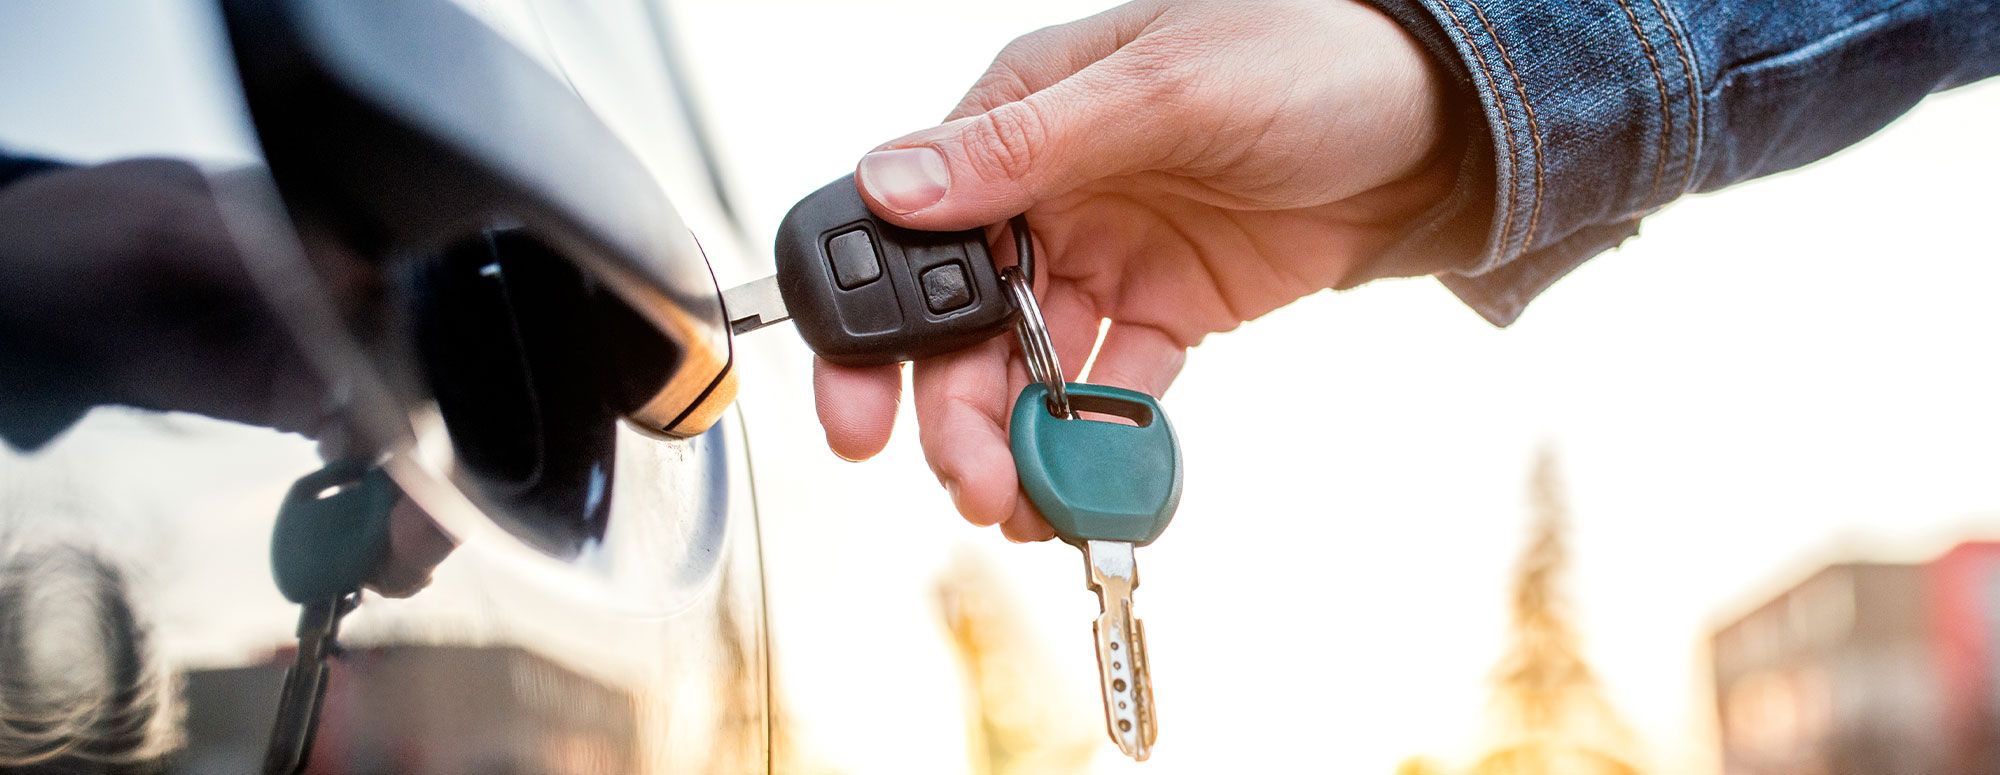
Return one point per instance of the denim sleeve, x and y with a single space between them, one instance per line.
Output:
1602 111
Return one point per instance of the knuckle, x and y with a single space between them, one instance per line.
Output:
1021 48
1161 73
1037 45
1006 142
999 85
1005 79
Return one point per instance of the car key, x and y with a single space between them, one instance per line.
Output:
862 291
331 533
304 691
1106 487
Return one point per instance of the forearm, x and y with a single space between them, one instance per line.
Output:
28 414
14 167
1601 113
123 286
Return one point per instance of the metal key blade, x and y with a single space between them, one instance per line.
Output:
305 686
754 305
1121 649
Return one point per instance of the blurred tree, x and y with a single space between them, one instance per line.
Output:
1549 714
1018 726
1420 765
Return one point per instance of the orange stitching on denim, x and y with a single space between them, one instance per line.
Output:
1534 131
1659 83
1675 34
1506 131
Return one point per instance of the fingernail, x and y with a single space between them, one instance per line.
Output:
952 488
904 179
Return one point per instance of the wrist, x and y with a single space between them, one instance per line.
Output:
1445 204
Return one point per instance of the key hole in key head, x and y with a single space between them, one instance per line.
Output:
1110 410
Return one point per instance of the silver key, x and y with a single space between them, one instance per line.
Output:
754 305
304 692
1121 649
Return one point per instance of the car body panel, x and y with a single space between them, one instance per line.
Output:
641 650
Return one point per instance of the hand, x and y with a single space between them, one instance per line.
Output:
1187 165
416 547
125 286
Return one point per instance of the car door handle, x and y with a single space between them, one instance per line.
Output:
408 126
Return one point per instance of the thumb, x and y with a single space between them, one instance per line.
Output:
986 168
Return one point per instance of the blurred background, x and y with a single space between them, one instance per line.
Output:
1773 415
1720 503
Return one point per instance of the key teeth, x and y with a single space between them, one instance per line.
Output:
1142 690
1121 649
1128 652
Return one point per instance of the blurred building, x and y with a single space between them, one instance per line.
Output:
431 709
1883 669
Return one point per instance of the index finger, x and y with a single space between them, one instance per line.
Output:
1042 58
964 400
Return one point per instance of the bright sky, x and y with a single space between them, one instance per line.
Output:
1788 373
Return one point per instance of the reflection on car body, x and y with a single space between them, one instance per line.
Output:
79 689
139 629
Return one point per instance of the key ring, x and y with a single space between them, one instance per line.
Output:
1024 247
1038 349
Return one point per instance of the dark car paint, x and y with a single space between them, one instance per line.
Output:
636 645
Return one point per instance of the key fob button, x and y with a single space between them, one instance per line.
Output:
945 288
869 310
854 261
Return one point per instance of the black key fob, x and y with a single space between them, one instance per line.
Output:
863 291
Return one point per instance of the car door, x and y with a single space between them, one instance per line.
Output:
538 340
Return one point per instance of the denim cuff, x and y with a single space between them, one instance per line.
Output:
1594 117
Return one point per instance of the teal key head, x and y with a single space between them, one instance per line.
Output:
1098 480
332 531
